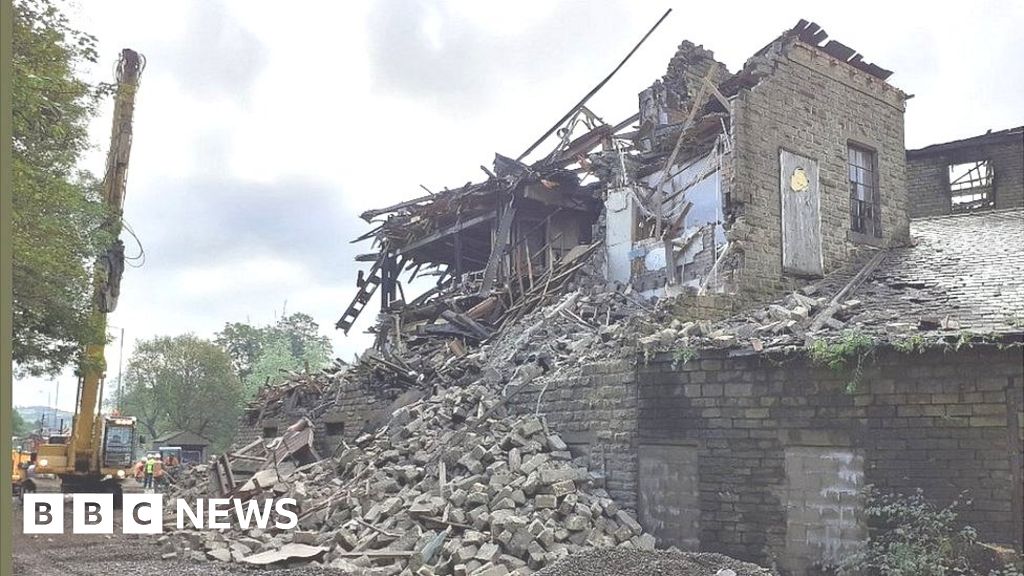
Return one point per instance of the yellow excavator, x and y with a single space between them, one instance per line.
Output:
20 462
98 454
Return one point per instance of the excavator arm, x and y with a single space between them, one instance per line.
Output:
80 460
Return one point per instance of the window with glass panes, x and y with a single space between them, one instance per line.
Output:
865 204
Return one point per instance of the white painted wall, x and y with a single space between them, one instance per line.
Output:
620 213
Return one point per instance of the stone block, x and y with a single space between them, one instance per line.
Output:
565 487
545 501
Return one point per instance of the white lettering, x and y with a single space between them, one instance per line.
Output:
196 517
286 507
92 514
144 514
217 510
251 511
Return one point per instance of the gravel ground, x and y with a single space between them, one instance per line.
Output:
130 555
118 555
623 562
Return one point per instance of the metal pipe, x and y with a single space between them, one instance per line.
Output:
590 94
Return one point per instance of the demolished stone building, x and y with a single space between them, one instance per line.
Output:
735 307
723 173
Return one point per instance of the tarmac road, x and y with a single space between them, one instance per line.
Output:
117 555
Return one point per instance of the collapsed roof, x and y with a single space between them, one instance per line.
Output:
503 246
959 281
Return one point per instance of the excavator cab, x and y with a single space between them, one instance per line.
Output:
118 442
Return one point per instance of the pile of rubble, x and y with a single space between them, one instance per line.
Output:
439 337
451 485
784 323
861 300
624 562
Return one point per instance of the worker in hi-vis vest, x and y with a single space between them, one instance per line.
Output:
150 466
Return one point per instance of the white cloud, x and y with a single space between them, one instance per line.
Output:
226 280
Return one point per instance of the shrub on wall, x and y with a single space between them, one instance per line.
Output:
910 536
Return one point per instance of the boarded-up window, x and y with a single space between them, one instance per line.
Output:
970 186
865 202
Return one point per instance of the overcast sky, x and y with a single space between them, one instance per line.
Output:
262 129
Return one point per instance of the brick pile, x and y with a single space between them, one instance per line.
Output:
450 485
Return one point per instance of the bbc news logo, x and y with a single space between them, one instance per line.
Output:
144 513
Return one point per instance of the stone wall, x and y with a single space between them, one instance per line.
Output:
354 409
940 422
815 106
594 410
353 412
928 174
763 459
928 186
709 307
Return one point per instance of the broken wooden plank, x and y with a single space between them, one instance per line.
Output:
483 309
376 529
371 214
438 235
498 249
466 322
376 554
850 288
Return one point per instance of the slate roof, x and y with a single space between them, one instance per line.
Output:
962 275
967 267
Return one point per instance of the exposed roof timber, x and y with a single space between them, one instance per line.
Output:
811 33
457 227
990 137
368 235
588 141
371 214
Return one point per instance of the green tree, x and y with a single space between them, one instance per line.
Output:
244 343
272 365
303 338
57 209
183 383
18 425
263 354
